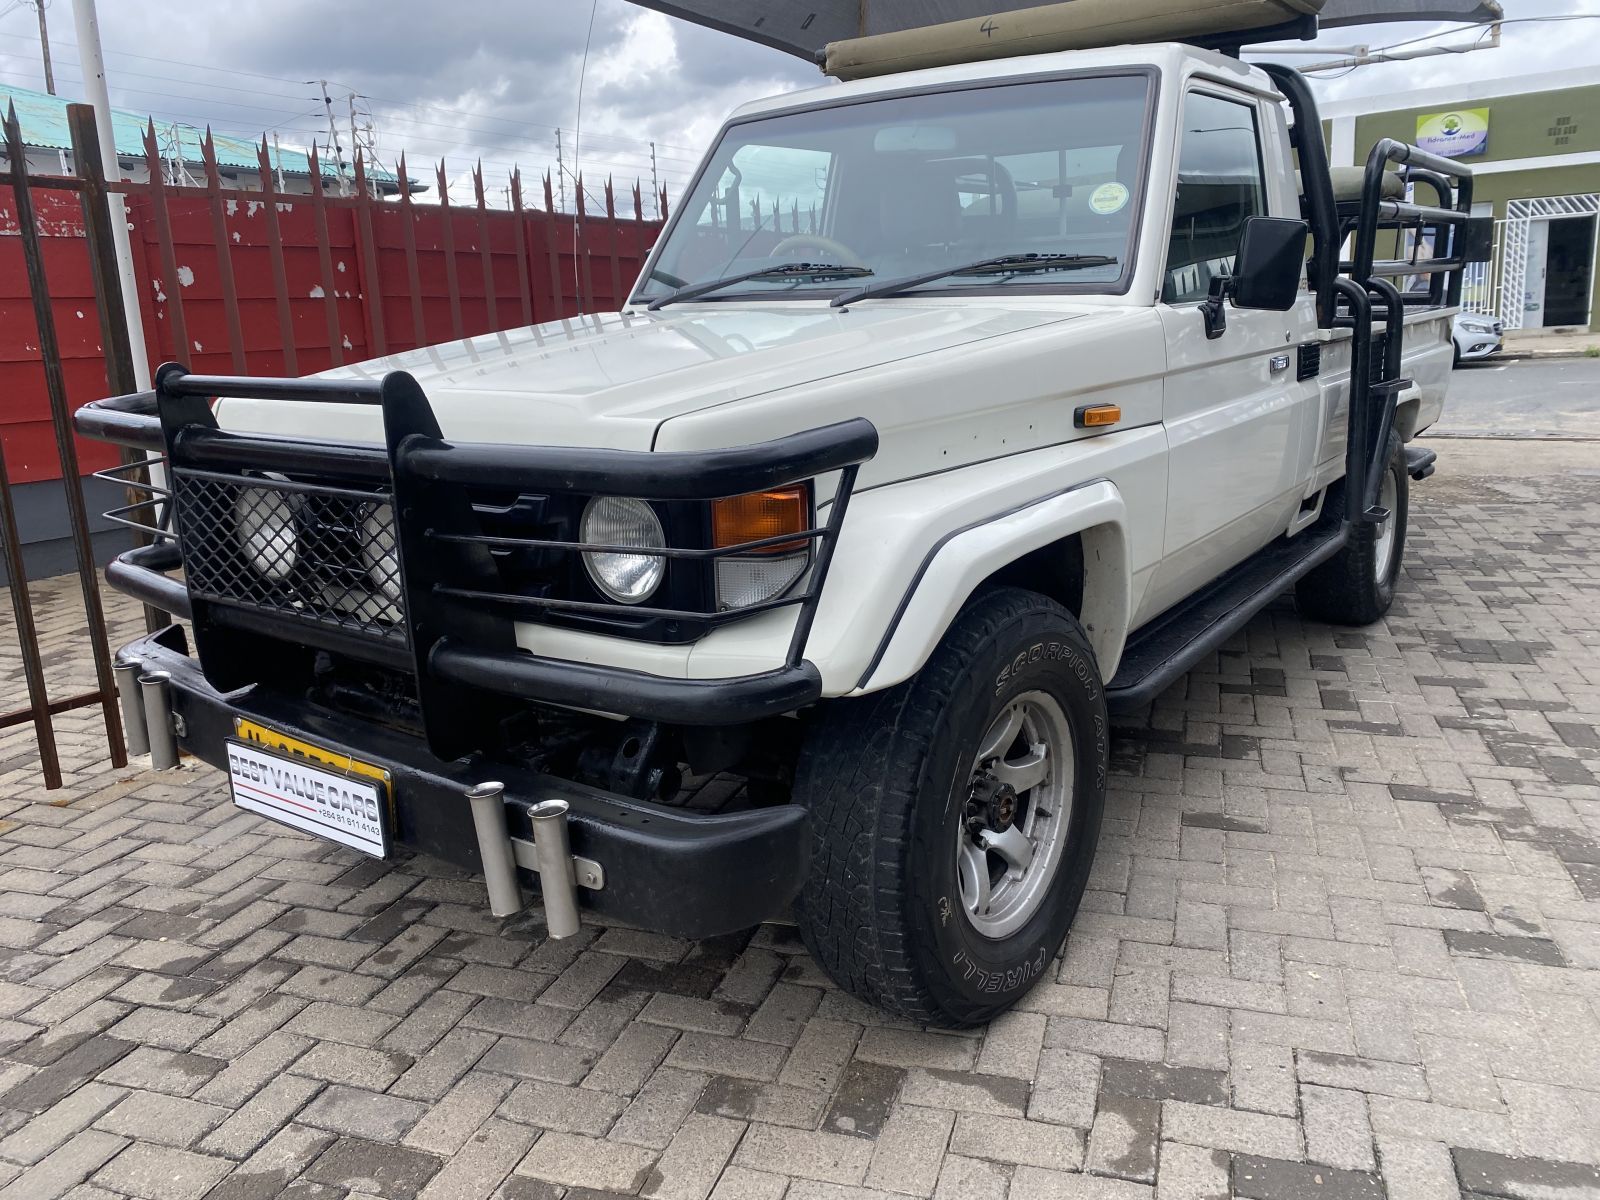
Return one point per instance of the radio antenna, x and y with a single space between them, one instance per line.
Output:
577 145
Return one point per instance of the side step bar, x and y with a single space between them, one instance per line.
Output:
1160 653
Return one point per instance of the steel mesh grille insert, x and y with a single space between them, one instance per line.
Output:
315 552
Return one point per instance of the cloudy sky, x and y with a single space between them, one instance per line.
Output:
495 79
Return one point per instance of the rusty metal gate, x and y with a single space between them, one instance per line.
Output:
338 274
90 186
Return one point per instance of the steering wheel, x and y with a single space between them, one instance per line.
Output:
836 252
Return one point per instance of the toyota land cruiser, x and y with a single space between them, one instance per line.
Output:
954 410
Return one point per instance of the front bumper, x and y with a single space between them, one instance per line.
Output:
681 873
1473 346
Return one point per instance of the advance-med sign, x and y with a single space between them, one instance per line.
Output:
1459 133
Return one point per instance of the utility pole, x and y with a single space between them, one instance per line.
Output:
93 65
561 172
355 142
44 46
363 138
655 186
334 144
176 170
277 163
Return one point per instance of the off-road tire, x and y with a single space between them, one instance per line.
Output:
886 777
1350 589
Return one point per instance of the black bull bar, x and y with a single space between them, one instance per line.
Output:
456 633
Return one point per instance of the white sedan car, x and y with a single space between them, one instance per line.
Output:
1476 336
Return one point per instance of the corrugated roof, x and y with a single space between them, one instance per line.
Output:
44 123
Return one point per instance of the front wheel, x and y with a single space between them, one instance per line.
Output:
954 817
1356 586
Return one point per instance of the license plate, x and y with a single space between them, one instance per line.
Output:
305 791
331 760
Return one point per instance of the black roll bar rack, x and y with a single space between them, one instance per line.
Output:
1319 209
1352 292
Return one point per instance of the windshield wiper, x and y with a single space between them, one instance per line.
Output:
783 272
1005 264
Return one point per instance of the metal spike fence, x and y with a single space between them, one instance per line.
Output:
264 281
269 282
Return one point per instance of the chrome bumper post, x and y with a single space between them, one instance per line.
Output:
552 853
134 730
156 690
494 844
549 856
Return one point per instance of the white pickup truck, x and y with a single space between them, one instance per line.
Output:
953 410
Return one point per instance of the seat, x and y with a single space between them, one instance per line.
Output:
919 206
1347 183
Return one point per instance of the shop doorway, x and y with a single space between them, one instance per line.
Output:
1569 271
1548 252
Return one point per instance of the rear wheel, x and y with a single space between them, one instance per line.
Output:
1356 586
954 817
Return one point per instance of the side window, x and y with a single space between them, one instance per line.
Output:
1219 185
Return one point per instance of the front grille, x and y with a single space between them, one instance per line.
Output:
315 552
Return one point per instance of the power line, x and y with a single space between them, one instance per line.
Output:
168 75
673 168
643 151
1484 28
38 7
188 117
693 154
1488 38
627 156
461 156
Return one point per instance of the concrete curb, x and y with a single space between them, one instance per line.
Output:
1507 355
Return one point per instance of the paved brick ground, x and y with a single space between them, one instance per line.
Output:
1343 940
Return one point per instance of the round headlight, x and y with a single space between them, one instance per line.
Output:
621 521
378 554
264 519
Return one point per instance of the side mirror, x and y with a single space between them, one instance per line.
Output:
1266 271
1270 263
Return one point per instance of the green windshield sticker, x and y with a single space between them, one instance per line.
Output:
1108 198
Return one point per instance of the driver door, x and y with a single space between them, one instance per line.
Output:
1236 419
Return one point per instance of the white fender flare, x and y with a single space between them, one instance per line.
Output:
964 558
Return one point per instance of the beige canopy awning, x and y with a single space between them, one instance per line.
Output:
806 29
1076 25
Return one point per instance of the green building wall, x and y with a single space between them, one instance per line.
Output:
1531 125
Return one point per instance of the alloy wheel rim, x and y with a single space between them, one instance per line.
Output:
1013 833
1388 497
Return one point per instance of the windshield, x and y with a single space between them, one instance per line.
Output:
915 184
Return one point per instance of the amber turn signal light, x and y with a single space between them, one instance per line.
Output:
757 516
1091 415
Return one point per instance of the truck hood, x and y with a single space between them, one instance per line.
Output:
613 380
